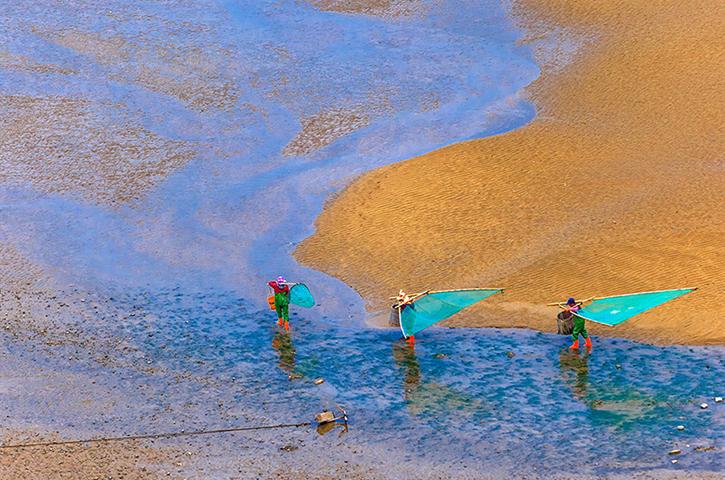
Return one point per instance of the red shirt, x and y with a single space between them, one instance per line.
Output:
277 288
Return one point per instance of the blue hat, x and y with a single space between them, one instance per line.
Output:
571 301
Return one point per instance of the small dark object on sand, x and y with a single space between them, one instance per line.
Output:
325 416
327 420
705 449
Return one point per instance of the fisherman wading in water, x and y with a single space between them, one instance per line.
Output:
571 307
281 301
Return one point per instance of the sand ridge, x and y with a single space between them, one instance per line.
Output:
381 8
60 145
617 186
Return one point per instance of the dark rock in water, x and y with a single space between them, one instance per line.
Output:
705 449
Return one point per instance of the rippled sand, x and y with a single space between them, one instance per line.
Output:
616 187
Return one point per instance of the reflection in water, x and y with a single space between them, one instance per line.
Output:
404 355
282 342
575 371
459 383
425 397
325 428
610 402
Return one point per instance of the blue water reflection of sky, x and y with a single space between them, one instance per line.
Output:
232 216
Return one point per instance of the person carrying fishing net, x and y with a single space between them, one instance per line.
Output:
611 310
569 320
280 301
285 293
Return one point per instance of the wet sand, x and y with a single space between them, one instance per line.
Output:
617 185
129 461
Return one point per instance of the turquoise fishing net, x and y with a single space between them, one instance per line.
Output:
300 295
437 306
615 310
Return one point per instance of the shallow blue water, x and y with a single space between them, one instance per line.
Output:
482 400
479 397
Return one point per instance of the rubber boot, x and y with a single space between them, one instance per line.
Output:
410 340
588 342
575 345
286 326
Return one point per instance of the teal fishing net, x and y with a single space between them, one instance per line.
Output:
300 295
436 306
615 310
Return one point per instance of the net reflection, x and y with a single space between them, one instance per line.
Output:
427 398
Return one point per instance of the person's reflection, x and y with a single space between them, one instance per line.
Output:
575 371
404 355
282 342
425 397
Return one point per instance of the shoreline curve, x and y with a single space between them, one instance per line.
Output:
615 187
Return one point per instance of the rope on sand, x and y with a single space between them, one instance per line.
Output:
154 435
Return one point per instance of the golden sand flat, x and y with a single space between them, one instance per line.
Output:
616 186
